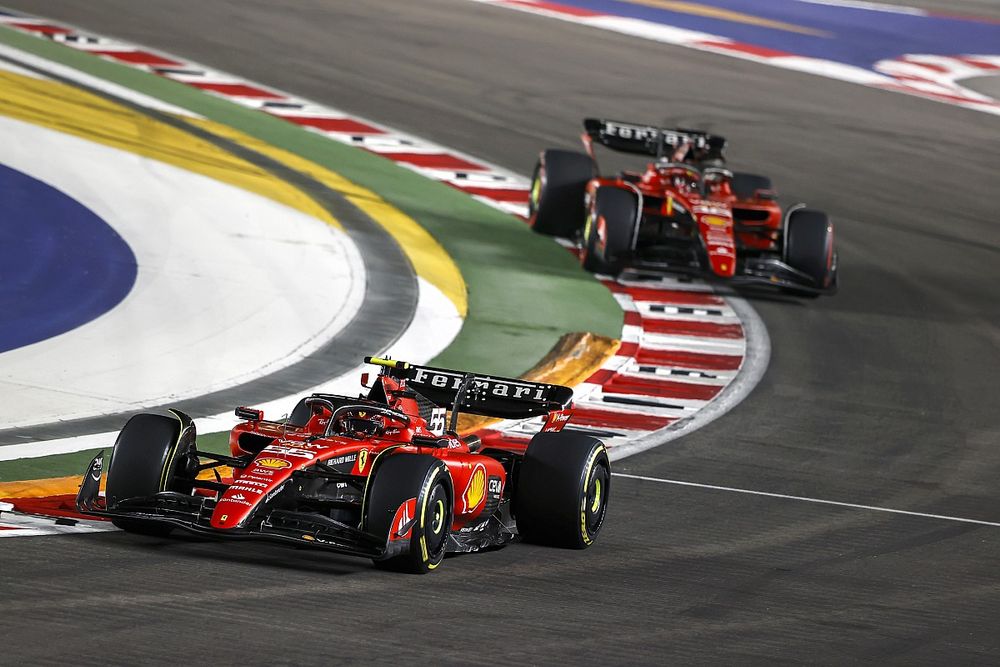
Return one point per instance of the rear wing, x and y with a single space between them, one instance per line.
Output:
485 395
649 140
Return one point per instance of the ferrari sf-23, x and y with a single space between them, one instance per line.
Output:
685 212
383 475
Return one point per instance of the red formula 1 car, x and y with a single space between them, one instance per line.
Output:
381 476
685 212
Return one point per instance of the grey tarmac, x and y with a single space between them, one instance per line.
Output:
883 395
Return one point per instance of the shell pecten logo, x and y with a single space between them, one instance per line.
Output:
273 464
476 490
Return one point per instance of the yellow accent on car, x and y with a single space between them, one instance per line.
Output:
584 532
476 490
597 496
438 517
388 363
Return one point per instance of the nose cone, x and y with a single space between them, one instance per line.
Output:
723 262
249 490
233 509
716 226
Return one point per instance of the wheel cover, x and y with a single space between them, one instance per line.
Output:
436 535
438 520
596 498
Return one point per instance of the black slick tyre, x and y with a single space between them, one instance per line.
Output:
150 456
746 185
397 479
609 230
562 490
555 202
809 246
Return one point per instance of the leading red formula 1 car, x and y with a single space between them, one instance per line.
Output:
685 212
382 476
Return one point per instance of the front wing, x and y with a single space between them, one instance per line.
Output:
194 513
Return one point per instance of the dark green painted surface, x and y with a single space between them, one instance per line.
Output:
75 463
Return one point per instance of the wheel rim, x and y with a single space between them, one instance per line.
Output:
438 520
597 498
439 513
536 191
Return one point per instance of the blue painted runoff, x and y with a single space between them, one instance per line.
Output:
849 35
61 266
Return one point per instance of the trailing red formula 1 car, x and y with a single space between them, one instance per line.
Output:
381 476
685 212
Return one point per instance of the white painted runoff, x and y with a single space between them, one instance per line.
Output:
231 286
435 325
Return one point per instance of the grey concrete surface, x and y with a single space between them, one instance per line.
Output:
987 85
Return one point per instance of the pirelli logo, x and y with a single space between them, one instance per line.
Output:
481 387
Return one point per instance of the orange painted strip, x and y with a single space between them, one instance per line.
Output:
61 486
41 488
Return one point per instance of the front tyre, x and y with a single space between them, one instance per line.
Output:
609 230
398 479
558 185
809 246
563 485
150 456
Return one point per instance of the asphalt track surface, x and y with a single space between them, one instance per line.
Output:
883 395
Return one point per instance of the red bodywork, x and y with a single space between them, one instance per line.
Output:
379 476
279 450
727 224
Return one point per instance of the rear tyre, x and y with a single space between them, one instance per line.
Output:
745 185
150 455
562 490
809 246
398 479
555 202
609 230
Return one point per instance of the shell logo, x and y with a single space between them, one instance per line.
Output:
476 490
273 464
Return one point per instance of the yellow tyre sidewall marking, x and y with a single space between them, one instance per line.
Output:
584 532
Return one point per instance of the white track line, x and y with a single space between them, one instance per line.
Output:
805 499
93 82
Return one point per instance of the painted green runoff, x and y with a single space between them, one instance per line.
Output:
524 290
75 463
